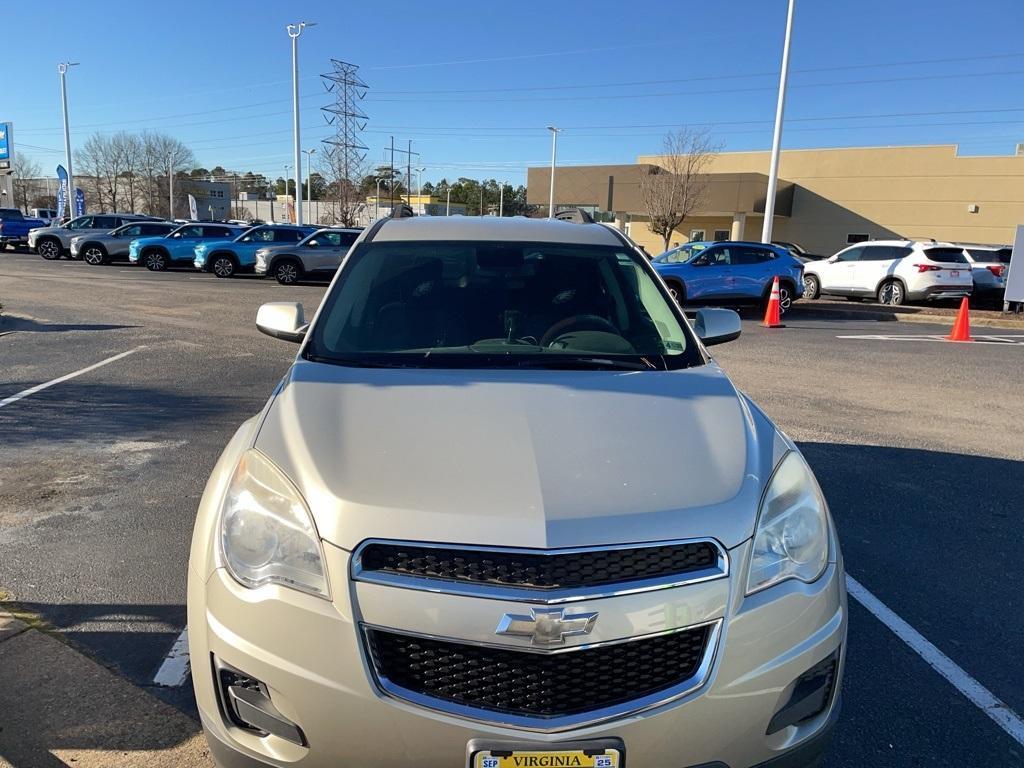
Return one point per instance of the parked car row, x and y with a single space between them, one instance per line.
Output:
290 253
896 271
890 271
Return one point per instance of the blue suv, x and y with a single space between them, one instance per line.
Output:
730 272
227 258
175 248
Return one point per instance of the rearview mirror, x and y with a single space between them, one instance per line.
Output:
282 320
717 326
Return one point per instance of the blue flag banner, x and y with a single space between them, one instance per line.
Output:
79 202
62 190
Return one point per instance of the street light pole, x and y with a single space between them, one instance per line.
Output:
170 186
773 169
554 150
376 200
286 187
294 30
309 173
501 200
63 69
448 204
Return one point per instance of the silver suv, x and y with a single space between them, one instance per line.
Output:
505 509
55 241
98 248
316 256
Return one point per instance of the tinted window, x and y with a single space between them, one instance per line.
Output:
258 236
853 254
154 229
289 235
884 252
104 222
946 255
217 232
347 238
83 223
329 238
717 257
134 231
721 234
486 304
748 255
986 256
10 214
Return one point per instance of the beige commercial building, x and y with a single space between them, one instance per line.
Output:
826 198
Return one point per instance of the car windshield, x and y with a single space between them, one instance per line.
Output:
488 304
946 255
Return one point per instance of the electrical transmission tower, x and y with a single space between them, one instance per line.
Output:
345 151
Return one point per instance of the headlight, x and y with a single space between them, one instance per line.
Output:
266 531
792 539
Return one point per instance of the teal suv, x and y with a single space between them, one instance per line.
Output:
176 248
227 258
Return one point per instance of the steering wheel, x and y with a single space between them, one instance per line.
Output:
577 323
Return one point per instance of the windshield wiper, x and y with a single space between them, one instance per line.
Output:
577 362
352 362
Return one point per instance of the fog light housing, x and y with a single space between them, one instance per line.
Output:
812 693
245 703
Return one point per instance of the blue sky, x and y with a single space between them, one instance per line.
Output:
474 84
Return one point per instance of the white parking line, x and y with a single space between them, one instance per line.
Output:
975 692
1003 339
45 385
175 668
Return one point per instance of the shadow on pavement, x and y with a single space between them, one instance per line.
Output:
24 324
99 412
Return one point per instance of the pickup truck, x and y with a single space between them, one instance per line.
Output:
14 227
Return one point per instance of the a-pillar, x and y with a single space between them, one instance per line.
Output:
739 226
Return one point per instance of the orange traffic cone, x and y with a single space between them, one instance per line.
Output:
773 314
962 327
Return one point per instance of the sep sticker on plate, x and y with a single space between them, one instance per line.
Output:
576 758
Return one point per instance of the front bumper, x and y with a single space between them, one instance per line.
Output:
310 655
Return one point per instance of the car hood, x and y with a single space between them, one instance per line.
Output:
521 458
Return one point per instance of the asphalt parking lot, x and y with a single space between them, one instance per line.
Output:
916 443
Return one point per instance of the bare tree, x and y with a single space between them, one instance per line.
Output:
25 172
678 185
159 154
129 147
342 197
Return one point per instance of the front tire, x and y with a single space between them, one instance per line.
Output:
287 272
678 291
49 249
94 255
223 266
812 287
155 261
891 293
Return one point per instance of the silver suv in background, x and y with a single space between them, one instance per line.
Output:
464 530
53 242
102 248
989 267
315 257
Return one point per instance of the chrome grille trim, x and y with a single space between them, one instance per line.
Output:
531 594
559 723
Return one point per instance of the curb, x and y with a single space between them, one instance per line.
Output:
825 312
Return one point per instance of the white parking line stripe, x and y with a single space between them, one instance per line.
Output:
975 692
174 671
40 387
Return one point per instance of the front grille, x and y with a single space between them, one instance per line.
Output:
533 684
536 570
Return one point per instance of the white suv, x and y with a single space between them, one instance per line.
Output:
893 271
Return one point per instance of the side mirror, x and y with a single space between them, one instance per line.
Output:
717 326
313 244
282 320
831 259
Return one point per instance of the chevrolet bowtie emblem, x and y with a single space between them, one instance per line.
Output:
547 626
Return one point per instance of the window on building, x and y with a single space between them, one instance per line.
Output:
721 234
697 235
856 238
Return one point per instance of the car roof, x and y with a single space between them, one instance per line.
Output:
499 229
907 243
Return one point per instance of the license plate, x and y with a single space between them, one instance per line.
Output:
573 758
955 273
